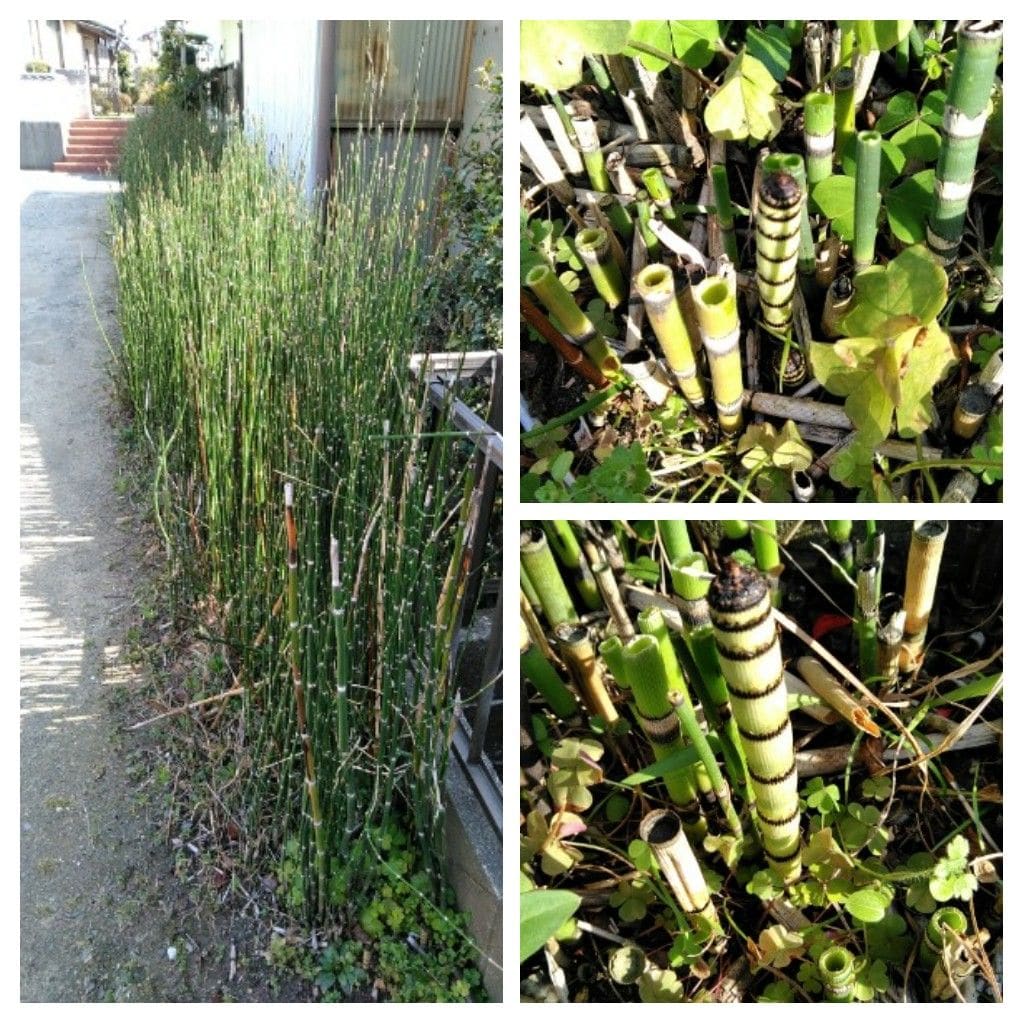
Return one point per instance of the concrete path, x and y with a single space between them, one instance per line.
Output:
95 919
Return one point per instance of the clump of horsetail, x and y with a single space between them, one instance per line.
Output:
266 340
963 121
751 659
541 569
578 653
658 290
806 260
870 556
654 183
714 300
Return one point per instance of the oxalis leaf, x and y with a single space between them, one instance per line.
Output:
656 34
835 197
771 47
867 905
694 42
551 52
745 105
913 284
907 206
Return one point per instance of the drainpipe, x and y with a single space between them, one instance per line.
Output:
323 104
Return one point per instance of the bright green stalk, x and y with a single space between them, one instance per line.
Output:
612 651
967 104
527 588
867 199
778 246
658 291
660 195
643 216
295 657
764 539
819 135
935 938
992 296
836 967
650 684
675 538
562 538
600 73
593 248
735 529
342 676
535 667
692 590
839 532
714 299
541 569
590 149
558 301
751 659
846 110
724 211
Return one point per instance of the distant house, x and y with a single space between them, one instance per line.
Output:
74 46
305 83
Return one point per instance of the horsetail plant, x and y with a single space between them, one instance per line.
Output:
541 570
715 303
923 562
749 652
778 243
539 671
562 539
867 199
978 50
595 251
819 135
658 291
837 969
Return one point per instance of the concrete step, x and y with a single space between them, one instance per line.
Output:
84 166
97 133
92 149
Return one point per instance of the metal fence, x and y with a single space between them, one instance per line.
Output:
481 716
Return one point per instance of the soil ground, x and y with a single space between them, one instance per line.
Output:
104 916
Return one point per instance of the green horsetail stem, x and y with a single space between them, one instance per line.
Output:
751 658
341 611
707 774
660 195
612 651
780 199
675 538
724 211
560 304
643 216
923 561
690 583
963 121
593 158
562 539
845 109
541 569
663 832
765 540
870 556
295 659
793 164
819 135
539 671
839 532
658 290
715 302
735 529
836 966
528 591
593 248
936 936
649 683
578 654
867 199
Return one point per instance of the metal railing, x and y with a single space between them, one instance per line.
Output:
443 371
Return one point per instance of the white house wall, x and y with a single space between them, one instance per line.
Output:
486 46
280 82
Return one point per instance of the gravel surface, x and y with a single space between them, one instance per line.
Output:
100 906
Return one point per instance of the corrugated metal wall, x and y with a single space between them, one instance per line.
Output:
408 64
